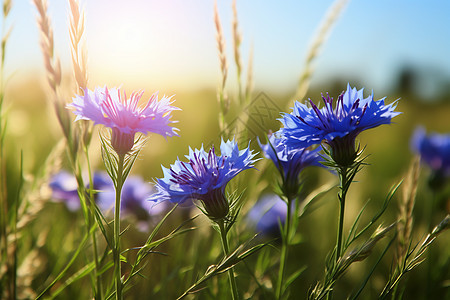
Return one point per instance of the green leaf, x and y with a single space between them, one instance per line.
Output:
86 270
224 265
71 261
291 278
311 202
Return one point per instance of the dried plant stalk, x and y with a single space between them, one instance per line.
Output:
39 193
221 46
319 39
223 100
249 83
52 63
237 40
406 207
78 49
53 68
79 60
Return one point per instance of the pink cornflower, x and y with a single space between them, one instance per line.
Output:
124 116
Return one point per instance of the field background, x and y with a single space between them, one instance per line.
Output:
399 50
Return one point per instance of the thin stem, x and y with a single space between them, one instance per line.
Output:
98 294
344 188
116 250
226 250
284 251
429 259
3 183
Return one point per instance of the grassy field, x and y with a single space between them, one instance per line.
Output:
52 251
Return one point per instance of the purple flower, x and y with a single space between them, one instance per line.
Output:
133 198
338 126
267 214
434 149
204 177
64 189
289 162
124 115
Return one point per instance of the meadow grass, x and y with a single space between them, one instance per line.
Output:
391 242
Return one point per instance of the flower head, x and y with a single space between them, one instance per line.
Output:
64 189
434 149
204 177
134 195
267 214
338 126
289 161
123 115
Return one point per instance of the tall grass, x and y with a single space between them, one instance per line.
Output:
52 251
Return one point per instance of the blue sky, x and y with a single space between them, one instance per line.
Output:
171 44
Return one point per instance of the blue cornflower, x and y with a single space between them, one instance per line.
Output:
289 162
434 149
204 177
338 126
64 189
267 214
134 195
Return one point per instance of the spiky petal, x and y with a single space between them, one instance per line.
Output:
289 161
204 177
338 126
112 108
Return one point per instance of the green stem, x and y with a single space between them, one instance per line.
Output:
284 251
98 294
429 259
116 250
226 250
344 188
3 183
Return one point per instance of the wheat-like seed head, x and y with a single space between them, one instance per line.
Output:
7 4
52 66
39 194
220 46
79 60
405 224
237 39
31 267
319 39
52 63
249 83
78 49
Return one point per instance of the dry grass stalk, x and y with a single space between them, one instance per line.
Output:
319 39
223 100
249 83
405 224
31 267
5 34
7 4
237 40
78 49
79 59
221 47
39 193
53 67
52 63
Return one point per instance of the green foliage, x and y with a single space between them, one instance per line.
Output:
48 251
